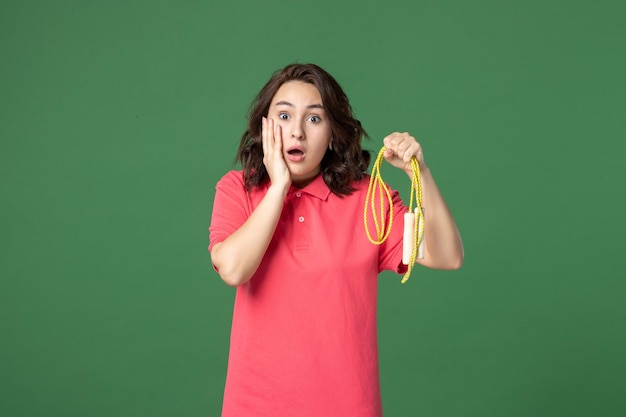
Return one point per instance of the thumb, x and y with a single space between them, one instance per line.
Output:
388 155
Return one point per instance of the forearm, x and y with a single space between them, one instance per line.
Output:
238 256
443 245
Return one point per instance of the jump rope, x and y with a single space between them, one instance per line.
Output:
413 235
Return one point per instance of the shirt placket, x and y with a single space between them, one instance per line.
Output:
301 224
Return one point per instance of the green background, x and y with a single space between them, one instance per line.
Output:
117 118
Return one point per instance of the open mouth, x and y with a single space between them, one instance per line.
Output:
295 154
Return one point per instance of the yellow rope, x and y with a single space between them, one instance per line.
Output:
383 228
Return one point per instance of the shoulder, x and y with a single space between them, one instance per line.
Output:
363 182
232 179
232 184
232 175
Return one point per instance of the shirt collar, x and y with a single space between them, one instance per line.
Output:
317 188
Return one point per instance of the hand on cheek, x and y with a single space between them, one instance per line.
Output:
273 153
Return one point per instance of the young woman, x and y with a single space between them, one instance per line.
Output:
288 232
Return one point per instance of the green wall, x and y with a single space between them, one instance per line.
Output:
117 118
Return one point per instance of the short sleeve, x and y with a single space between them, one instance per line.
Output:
390 253
230 207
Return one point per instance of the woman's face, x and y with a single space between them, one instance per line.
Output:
306 131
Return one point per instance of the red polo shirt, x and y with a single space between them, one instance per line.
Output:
303 339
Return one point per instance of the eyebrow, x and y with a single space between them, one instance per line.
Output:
311 106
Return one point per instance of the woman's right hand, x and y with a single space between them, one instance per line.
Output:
273 154
238 257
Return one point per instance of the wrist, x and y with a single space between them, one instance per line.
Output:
278 189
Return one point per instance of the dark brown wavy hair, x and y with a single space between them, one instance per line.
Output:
345 163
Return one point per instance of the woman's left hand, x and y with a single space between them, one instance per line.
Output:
401 147
444 249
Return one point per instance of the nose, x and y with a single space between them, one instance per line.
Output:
297 130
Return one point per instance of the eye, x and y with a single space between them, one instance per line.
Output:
283 116
315 119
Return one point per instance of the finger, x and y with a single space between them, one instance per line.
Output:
390 141
398 142
390 156
392 144
278 139
402 144
412 150
270 135
416 152
402 147
264 135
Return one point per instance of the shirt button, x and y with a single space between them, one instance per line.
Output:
298 194
301 219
